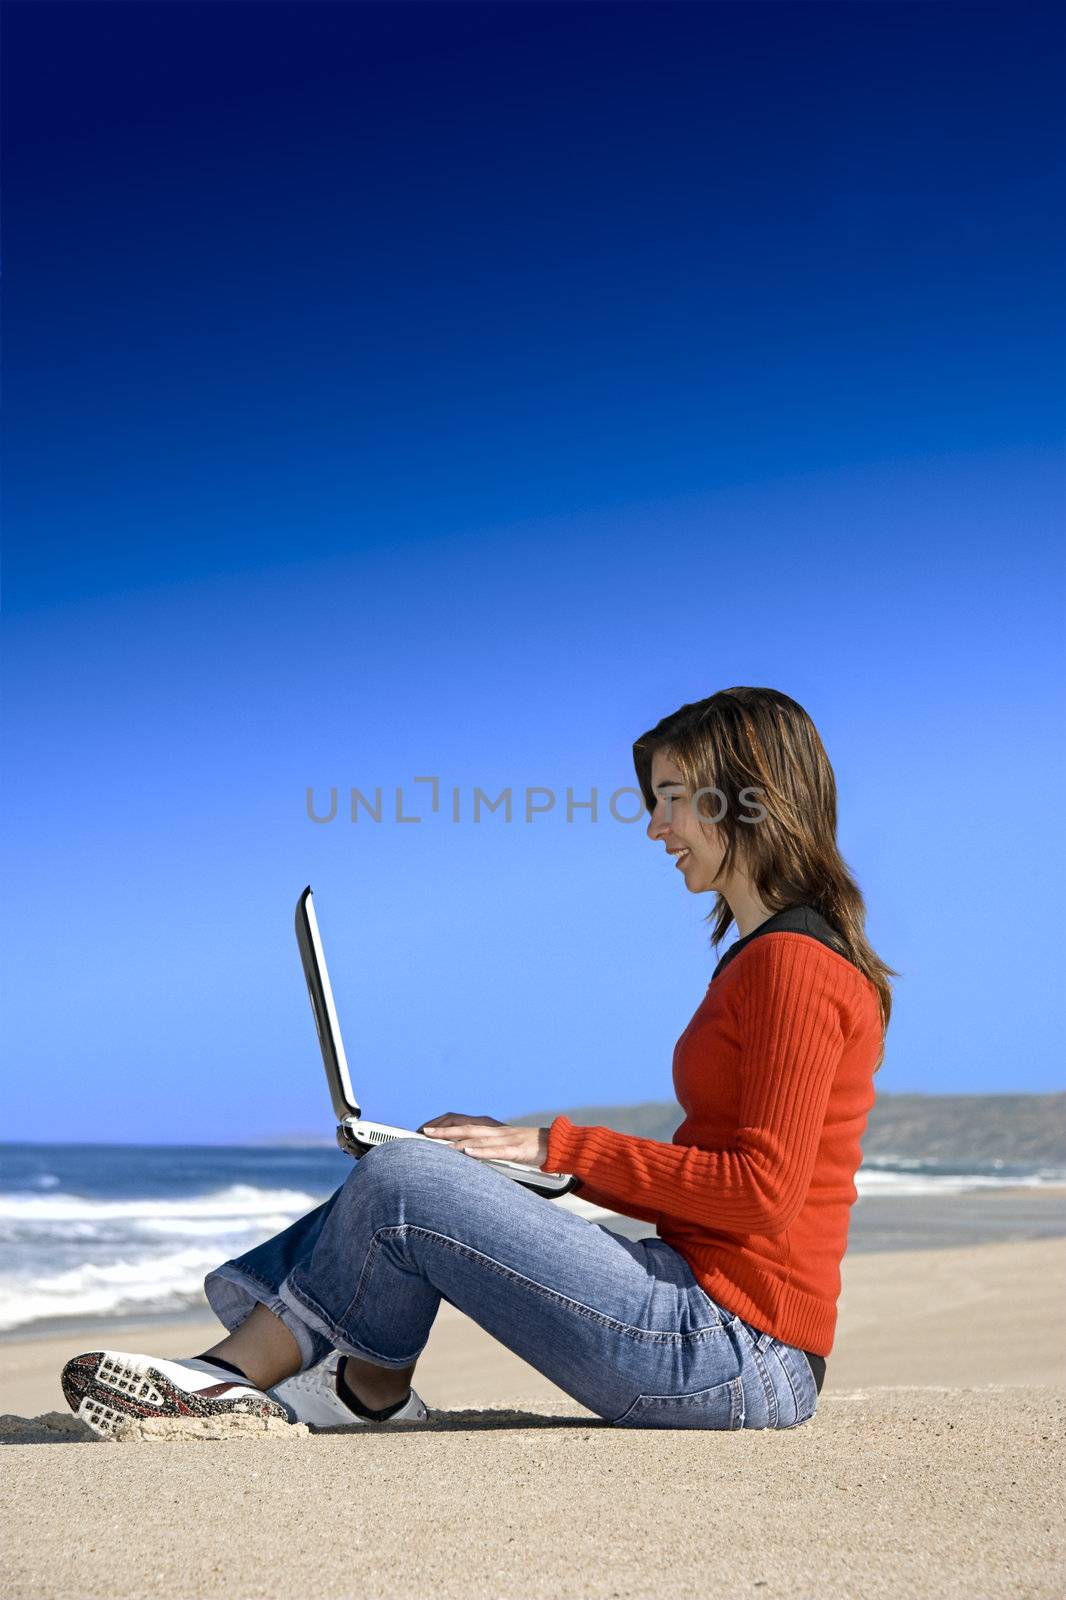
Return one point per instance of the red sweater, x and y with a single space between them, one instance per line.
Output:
775 1076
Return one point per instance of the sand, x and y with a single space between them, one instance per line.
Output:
934 1467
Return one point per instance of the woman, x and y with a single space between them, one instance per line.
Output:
722 1321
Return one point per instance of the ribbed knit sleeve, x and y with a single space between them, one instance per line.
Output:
790 997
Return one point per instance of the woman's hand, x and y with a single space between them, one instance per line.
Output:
489 1139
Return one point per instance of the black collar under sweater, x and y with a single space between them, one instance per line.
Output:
793 919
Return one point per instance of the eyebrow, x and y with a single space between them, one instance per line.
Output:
669 783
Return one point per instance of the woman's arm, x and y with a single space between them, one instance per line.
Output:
791 1003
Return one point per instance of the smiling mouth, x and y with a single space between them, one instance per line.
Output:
680 856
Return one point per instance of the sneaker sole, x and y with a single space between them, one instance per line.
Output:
106 1391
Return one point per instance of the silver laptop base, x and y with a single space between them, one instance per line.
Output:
356 1138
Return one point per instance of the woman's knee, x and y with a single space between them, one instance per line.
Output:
402 1155
413 1168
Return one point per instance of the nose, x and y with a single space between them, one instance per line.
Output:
659 826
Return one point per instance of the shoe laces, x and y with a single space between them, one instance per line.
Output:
315 1377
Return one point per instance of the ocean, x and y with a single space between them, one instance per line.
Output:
105 1231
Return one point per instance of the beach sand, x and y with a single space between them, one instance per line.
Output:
933 1467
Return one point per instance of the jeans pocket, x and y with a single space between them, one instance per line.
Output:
721 1406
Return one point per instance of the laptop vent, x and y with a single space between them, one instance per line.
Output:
373 1137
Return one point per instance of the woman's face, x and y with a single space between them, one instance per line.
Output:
696 846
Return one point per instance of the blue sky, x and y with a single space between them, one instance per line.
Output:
457 389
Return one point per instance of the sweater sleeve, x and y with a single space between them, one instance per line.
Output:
791 1011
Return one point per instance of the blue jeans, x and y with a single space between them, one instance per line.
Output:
621 1325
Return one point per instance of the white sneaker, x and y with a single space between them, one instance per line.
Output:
105 1387
311 1396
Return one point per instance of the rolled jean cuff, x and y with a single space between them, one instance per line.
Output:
233 1295
337 1338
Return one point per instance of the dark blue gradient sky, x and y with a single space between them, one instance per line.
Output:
456 389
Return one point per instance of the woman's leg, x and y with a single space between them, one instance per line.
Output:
262 1347
611 1321
271 1344
266 1352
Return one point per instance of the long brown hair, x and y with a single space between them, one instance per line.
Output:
759 748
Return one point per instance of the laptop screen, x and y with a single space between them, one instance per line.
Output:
325 1012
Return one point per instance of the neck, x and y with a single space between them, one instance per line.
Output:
748 910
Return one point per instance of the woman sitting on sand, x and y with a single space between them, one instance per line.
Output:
725 1318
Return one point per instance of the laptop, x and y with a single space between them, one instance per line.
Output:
355 1134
